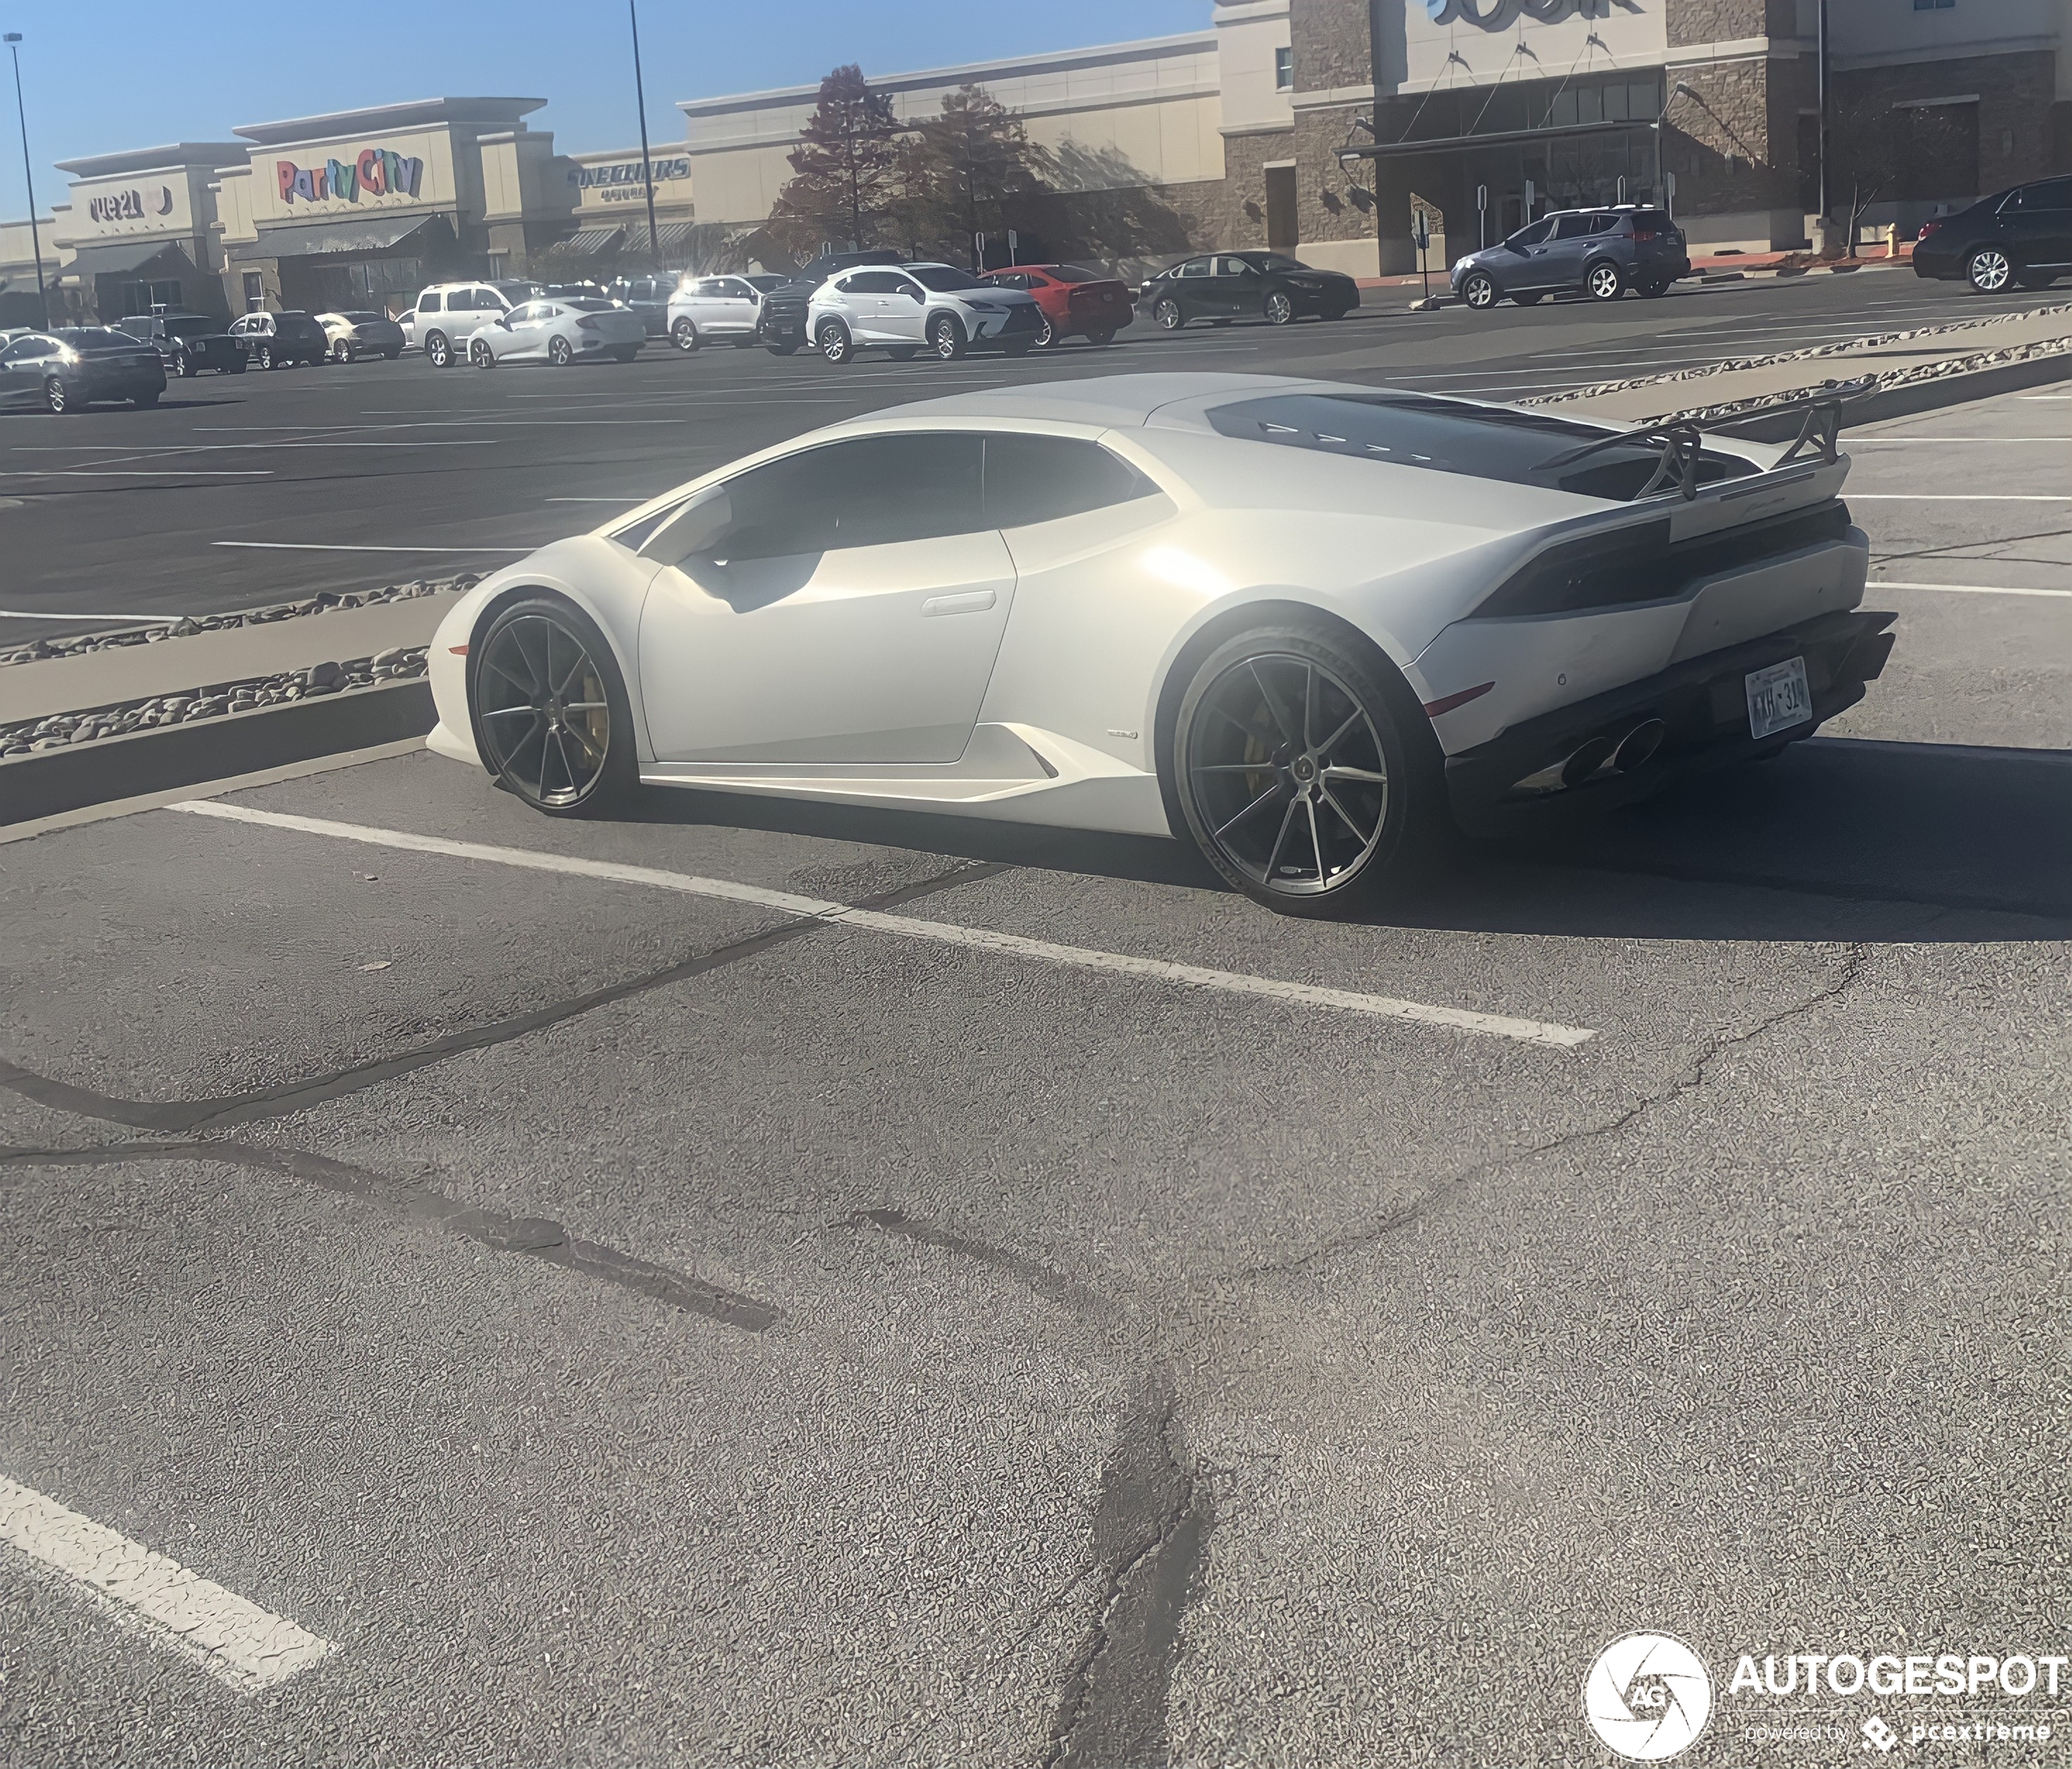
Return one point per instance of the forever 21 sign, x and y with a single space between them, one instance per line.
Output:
1493 14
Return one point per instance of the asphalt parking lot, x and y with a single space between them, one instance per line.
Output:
238 491
627 1312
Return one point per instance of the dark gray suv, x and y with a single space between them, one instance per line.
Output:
1599 252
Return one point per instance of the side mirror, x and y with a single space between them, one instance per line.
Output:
695 528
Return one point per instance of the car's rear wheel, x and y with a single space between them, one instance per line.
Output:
1166 316
684 335
1046 333
551 718
56 399
183 365
390 356
1479 291
480 354
1604 281
1989 270
1294 771
266 356
945 336
788 348
341 352
560 352
2035 279
1654 287
625 352
437 352
835 344
1104 335
1280 309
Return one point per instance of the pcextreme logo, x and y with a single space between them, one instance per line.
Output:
1648 1696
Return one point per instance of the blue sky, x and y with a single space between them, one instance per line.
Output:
102 75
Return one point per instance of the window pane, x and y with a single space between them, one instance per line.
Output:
1194 267
1615 101
1038 478
1590 105
428 304
872 492
2053 194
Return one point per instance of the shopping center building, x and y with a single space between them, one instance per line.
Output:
1317 126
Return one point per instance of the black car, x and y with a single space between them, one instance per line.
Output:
1598 252
2022 236
1224 286
281 340
782 323
189 343
68 368
648 297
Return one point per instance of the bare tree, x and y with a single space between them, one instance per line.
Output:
1881 152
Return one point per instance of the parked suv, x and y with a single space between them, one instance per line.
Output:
2021 236
781 323
905 307
281 340
718 306
1599 252
189 343
448 312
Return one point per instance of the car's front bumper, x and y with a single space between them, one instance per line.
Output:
1701 701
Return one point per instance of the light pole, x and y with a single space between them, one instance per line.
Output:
13 41
647 168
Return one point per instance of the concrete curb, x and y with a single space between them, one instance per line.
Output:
55 781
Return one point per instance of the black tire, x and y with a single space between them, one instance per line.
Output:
544 656
438 351
1604 281
1652 290
625 352
1479 291
143 401
1105 335
788 348
390 356
742 344
684 335
835 343
341 352
946 337
479 355
182 365
1295 719
1166 316
1336 313
266 356
1532 299
561 353
1989 270
2034 279
57 399
903 352
1279 307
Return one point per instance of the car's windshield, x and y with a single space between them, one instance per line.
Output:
296 324
516 292
942 278
1076 273
763 284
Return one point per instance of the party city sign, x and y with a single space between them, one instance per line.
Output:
377 171
1494 14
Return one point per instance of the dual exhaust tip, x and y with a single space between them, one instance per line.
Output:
1602 755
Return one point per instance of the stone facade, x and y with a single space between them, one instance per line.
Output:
2015 106
1731 144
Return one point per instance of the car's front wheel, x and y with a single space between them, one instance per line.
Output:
56 399
1989 270
1604 281
1046 333
1479 291
560 352
945 336
1295 772
835 344
1166 315
552 721
480 354
684 335
1280 310
437 352
182 365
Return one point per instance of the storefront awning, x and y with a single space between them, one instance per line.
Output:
675 237
1508 138
367 233
588 242
123 256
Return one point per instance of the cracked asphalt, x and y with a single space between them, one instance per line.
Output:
634 1327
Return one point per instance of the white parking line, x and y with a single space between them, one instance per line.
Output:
228 1636
942 933
1963 589
141 472
1896 441
323 547
1960 497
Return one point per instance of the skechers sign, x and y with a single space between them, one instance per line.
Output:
1494 14
625 172
377 171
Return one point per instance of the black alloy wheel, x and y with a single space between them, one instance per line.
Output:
1292 772
788 347
1479 290
1280 308
552 719
1166 316
1654 287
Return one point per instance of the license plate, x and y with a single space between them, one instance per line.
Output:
1779 697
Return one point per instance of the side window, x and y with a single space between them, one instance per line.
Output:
428 303
1576 228
531 309
1604 223
874 492
2052 194
1008 279
735 289
1235 266
1038 478
1194 267
1534 235
22 350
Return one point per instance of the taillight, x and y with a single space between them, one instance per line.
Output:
588 323
1644 236
1926 229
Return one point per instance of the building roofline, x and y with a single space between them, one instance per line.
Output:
1140 49
410 113
174 156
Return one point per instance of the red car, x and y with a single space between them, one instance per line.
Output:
1074 303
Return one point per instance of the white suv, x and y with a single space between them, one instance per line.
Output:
718 306
905 307
448 313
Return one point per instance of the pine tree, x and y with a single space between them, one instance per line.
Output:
970 168
842 169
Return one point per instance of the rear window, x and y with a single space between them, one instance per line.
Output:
1651 221
296 326
427 303
194 327
587 304
360 319
1077 273
1447 436
92 341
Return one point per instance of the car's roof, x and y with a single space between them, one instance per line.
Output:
1119 401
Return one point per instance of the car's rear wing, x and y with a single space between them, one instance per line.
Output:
1680 441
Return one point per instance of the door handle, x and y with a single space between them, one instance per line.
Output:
968 602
